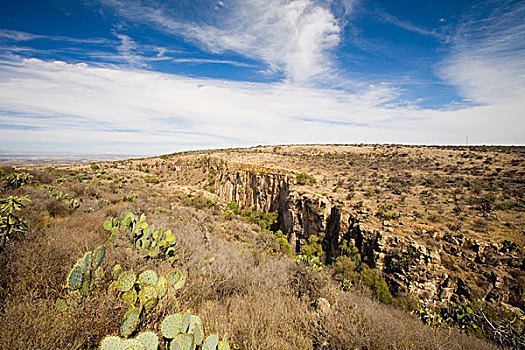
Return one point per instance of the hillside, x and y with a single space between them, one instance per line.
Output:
402 242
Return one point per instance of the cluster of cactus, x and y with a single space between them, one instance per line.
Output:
72 203
81 278
151 243
112 225
17 180
142 293
55 192
10 223
182 332
143 341
186 333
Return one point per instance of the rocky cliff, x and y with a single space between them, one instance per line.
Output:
434 267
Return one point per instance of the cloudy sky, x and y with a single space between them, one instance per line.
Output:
155 77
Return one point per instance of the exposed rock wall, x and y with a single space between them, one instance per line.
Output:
435 269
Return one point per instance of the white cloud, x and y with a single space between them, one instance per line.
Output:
407 25
295 37
16 35
487 63
89 109
127 50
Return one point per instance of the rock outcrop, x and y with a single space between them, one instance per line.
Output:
435 268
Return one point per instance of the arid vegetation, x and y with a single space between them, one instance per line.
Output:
165 222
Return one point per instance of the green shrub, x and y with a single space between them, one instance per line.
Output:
283 242
151 179
313 248
304 179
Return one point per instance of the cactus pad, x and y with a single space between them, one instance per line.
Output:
211 342
99 274
130 322
194 321
223 345
126 280
75 278
181 282
151 303
149 339
186 320
111 343
146 293
170 237
117 270
86 288
185 341
130 296
198 334
148 277
61 304
132 344
97 257
85 262
161 287
172 277
108 225
171 326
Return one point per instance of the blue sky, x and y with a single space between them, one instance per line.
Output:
154 77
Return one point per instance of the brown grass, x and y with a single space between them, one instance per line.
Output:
260 301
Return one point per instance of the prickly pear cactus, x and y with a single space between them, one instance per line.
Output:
186 320
146 293
99 274
149 242
61 304
184 341
198 334
86 270
171 326
111 343
130 296
85 262
117 270
97 257
162 287
223 345
133 344
211 342
194 321
176 279
75 278
149 339
148 277
130 322
126 280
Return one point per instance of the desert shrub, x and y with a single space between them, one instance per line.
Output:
284 245
305 179
151 179
348 268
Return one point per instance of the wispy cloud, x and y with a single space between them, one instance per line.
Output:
213 61
407 25
295 37
128 50
16 35
487 63
80 107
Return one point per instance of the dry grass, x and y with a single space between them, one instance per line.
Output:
260 301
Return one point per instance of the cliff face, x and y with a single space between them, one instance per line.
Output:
434 268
